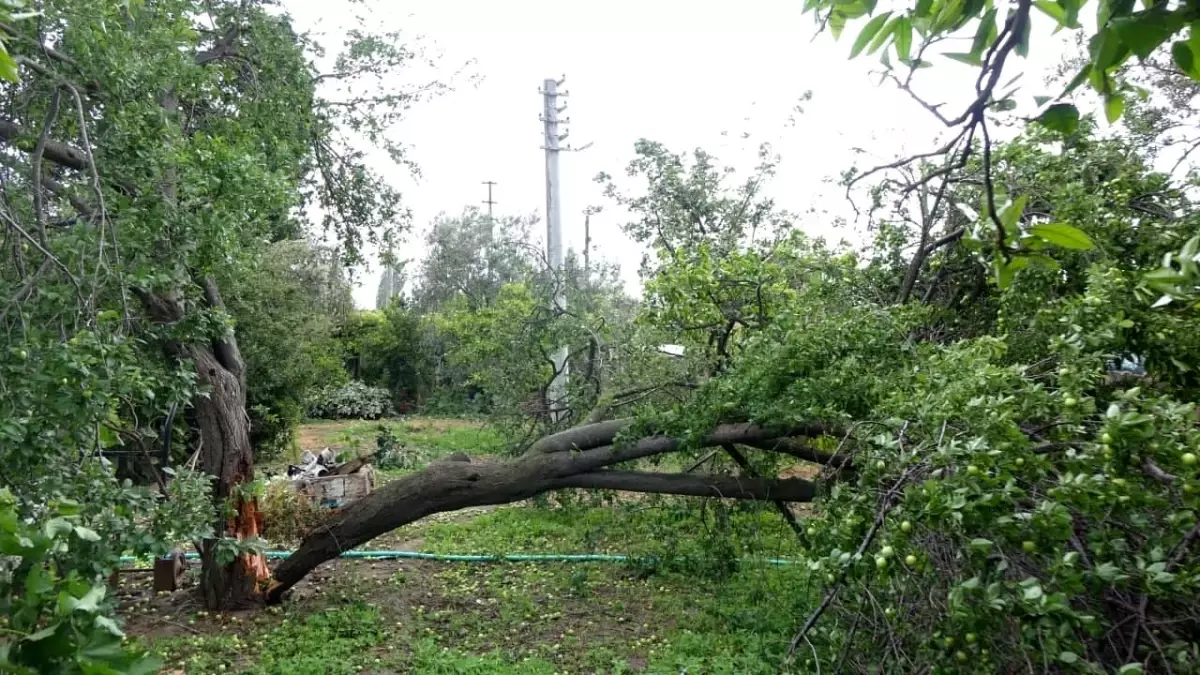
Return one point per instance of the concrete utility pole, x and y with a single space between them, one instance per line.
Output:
556 393
491 226
488 201
587 239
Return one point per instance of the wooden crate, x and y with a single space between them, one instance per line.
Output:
336 492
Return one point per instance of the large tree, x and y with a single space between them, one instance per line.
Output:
471 256
150 150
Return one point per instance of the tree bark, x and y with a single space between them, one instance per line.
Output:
225 454
228 455
725 487
452 485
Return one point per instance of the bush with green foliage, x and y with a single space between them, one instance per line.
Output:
392 454
351 401
57 619
396 354
285 308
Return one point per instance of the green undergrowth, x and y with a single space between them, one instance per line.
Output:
685 604
510 618
442 435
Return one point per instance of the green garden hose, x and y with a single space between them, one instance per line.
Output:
504 557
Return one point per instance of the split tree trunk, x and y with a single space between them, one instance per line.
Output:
227 580
575 458
228 455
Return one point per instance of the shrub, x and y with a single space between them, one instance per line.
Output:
394 455
287 514
352 401
57 621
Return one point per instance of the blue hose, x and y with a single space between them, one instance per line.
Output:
505 557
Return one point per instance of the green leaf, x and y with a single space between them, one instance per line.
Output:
67 507
1111 9
1068 657
103 647
1011 216
868 32
974 60
980 542
837 22
1143 32
90 602
8 67
1114 107
883 35
56 526
1060 117
985 35
1006 270
86 533
1033 592
1108 572
1131 669
1071 8
1052 10
1080 77
1107 50
109 625
903 33
38 581
44 633
1184 55
1064 235
951 11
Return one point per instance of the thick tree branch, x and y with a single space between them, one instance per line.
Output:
449 486
794 447
694 485
59 153
84 209
591 436
39 200
225 348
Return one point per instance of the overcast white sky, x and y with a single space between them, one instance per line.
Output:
688 74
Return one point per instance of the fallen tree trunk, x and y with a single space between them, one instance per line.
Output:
453 485
727 487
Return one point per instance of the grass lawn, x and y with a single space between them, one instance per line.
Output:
695 598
